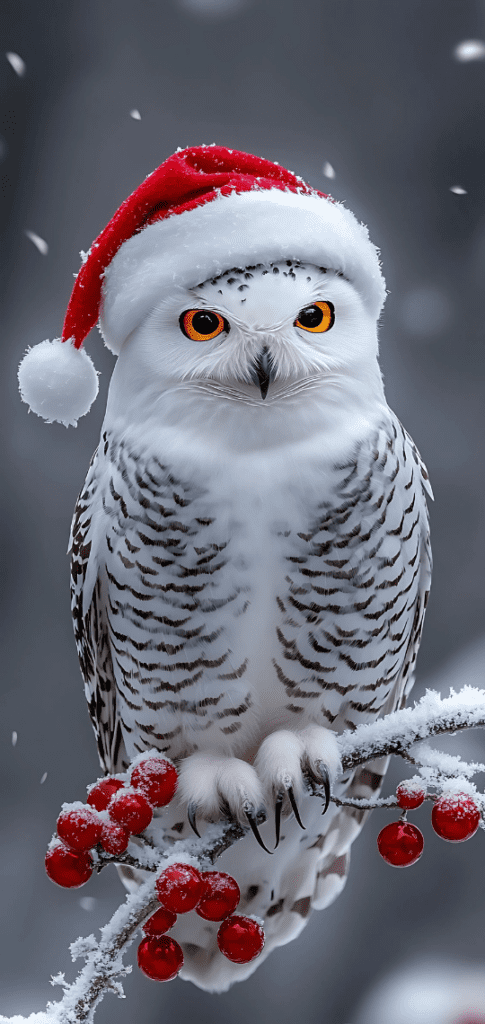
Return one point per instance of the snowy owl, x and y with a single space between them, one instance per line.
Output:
250 554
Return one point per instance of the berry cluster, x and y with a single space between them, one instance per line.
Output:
455 817
118 808
115 810
214 895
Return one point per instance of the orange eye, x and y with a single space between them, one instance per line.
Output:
317 318
202 324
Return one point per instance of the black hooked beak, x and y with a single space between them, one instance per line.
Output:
263 371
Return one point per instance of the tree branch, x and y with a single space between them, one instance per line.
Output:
397 733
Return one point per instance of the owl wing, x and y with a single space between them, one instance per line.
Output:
353 611
91 629
406 681
353 616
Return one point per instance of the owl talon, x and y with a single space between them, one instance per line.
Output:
252 821
326 784
291 798
277 817
317 778
192 817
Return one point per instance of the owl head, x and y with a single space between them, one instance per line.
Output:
222 273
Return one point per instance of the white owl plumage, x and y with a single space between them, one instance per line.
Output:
250 551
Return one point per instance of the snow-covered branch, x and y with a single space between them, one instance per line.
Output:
432 716
104 967
403 732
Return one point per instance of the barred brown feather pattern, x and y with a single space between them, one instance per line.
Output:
161 592
357 590
155 612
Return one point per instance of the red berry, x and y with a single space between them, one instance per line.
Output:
180 888
157 779
455 817
409 796
67 868
100 794
131 810
160 958
400 844
161 921
79 829
114 838
241 939
221 896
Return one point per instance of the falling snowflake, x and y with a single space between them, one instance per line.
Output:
135 114
328 170
87 902
16 63
458 190
39 242
469 49
14 739
43 778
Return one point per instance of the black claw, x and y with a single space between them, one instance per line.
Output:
326 785
254 829
277 817
316 782
192 816
291 797
225 810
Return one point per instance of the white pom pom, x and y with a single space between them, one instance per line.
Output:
58 381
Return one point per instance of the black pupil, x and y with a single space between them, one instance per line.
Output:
311 316
204 322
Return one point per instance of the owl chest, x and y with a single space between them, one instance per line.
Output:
214 567
233 607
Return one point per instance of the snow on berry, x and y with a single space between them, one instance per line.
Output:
114 838
130 808
400 844
156 778
160 958
221 896
67 868
180 888
161 921
455 817
99 794
240 939
79 827
411 793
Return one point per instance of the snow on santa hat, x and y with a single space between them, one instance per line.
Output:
205 210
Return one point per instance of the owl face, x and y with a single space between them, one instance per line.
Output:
257 332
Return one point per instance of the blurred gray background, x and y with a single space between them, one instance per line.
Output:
373 88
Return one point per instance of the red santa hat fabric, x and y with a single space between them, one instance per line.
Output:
205 210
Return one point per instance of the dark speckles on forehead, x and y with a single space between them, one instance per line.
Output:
241 279
237 276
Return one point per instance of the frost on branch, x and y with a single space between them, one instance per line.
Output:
399 731
458 809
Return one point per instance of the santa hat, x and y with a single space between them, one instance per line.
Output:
205 210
